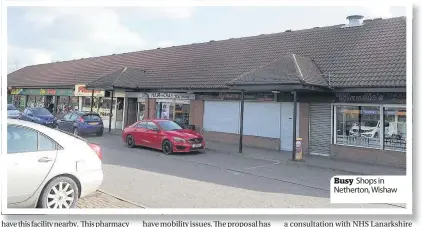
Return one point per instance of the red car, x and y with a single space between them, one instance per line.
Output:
163 135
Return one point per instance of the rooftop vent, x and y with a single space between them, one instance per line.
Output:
354 20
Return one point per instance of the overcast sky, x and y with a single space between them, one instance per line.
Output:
47 34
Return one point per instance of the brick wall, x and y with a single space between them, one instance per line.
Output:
150 109
251 141
368 155
196 114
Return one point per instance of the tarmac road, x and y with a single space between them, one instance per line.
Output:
211 180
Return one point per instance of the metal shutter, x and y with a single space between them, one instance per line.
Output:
320 129
221 116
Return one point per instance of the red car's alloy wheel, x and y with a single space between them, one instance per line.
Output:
130 142
167 147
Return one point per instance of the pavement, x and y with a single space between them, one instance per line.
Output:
101 199
345 167
213 179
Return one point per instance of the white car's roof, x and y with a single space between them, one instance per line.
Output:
60 136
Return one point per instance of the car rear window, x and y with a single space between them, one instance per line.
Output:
92 117
41 111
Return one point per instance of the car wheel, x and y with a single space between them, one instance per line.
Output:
167 147
130 142
60 193
100 133
76 132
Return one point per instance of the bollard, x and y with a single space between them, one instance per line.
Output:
299 153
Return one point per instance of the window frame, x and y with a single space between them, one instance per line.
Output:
58 146
382 132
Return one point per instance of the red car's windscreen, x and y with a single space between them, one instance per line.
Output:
169 125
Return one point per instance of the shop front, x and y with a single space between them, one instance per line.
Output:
101 102
365 127
267 123
56 100
135 107
173 106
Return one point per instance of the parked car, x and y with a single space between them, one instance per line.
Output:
372 129
164 135
12 112
81 123
48 168
39 115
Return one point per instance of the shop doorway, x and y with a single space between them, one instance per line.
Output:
132 105
49 103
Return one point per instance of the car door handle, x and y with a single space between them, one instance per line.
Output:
45 159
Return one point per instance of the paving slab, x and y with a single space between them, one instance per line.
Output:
101 199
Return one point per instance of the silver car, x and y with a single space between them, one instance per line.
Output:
47 168
12 112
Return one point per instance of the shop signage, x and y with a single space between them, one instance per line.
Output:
52 92
237 96
160 95
370 97
81 90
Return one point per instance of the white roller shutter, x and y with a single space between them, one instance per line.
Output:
262 119
221 116
320 129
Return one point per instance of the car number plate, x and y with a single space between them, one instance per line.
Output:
93 123
197 145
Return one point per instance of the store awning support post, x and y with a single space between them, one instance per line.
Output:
92 100
242 108
111 111
294 125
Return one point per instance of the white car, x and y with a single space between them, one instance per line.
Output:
48 168
373 131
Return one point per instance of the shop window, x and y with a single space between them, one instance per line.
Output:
358 126
86 104
105 105
181 114
39 101
31 101
63 104
395 128
141 111
74 103
361 126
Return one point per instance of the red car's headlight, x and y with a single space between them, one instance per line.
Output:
179 140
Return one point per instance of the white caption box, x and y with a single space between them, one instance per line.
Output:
370 189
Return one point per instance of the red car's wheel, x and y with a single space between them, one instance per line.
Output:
167 147
130 141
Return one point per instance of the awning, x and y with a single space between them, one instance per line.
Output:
291 72
125 78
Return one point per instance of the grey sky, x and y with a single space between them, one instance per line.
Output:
46 34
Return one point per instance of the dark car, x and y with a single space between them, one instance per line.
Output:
39 115
81 123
